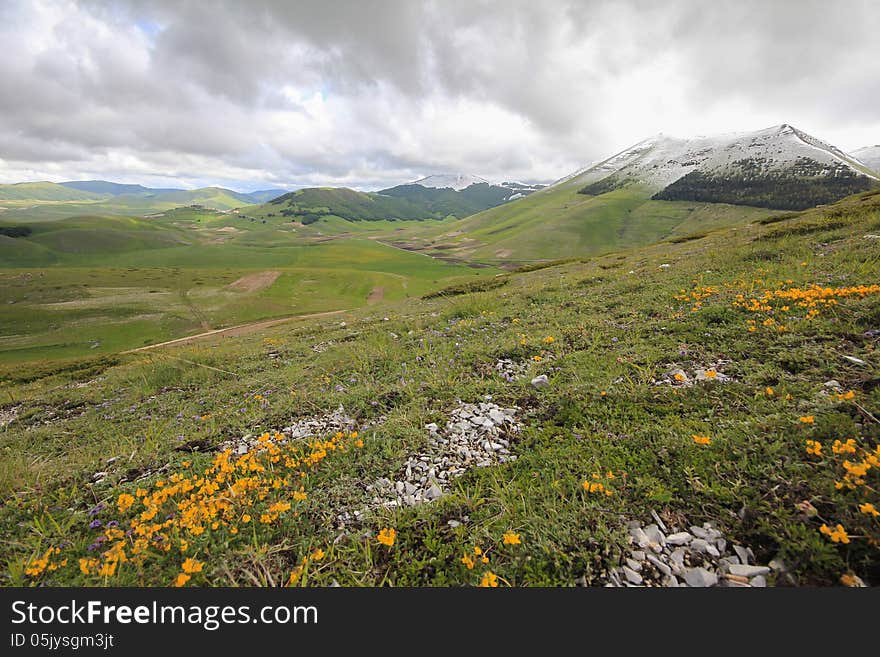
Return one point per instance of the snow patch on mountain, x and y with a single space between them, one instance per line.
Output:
456 181
661 160
869 156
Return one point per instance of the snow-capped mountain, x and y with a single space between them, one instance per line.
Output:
456 181
870 156
461 181
775 167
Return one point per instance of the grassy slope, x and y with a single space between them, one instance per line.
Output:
122 282
558 222
617 325
44 191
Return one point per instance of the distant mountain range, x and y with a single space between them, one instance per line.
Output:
120 197
780 167
434 197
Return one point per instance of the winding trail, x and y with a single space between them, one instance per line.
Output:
234 331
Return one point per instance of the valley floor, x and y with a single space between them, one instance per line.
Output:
534 429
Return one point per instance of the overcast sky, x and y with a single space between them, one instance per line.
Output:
367 94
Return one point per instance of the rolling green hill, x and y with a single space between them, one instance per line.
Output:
101 283
313 204
559 222
45 191
55 204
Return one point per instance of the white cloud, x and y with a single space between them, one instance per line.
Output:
371 94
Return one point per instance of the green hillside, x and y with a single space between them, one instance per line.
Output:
446 201
730 379
559 222
311 205
30 209
45 191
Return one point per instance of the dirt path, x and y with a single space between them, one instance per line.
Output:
254 282
376 295
234 331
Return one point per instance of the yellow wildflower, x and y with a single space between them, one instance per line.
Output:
512 538
814 447
806 419
125 502
702 440
869 509
317 555
387 536
192 566
489 580
467 561
181 580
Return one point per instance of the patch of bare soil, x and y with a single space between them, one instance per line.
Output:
376 295
254 282
235 331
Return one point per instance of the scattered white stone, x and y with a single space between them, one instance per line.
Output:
540 381
695 558
679 538
744 570
700 577
743 554
632 576
857 361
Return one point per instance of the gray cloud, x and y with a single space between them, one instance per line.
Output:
372 93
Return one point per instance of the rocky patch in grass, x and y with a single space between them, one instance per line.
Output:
475 436
698 557
511 370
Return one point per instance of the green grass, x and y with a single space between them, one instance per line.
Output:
43 192
558 222
29 202
103 283
617 325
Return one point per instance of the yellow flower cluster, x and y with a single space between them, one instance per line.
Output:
858 465
489 580
814 299
814 447
187 509
847 447
702 440
297 572
596 486
697 295
45 563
